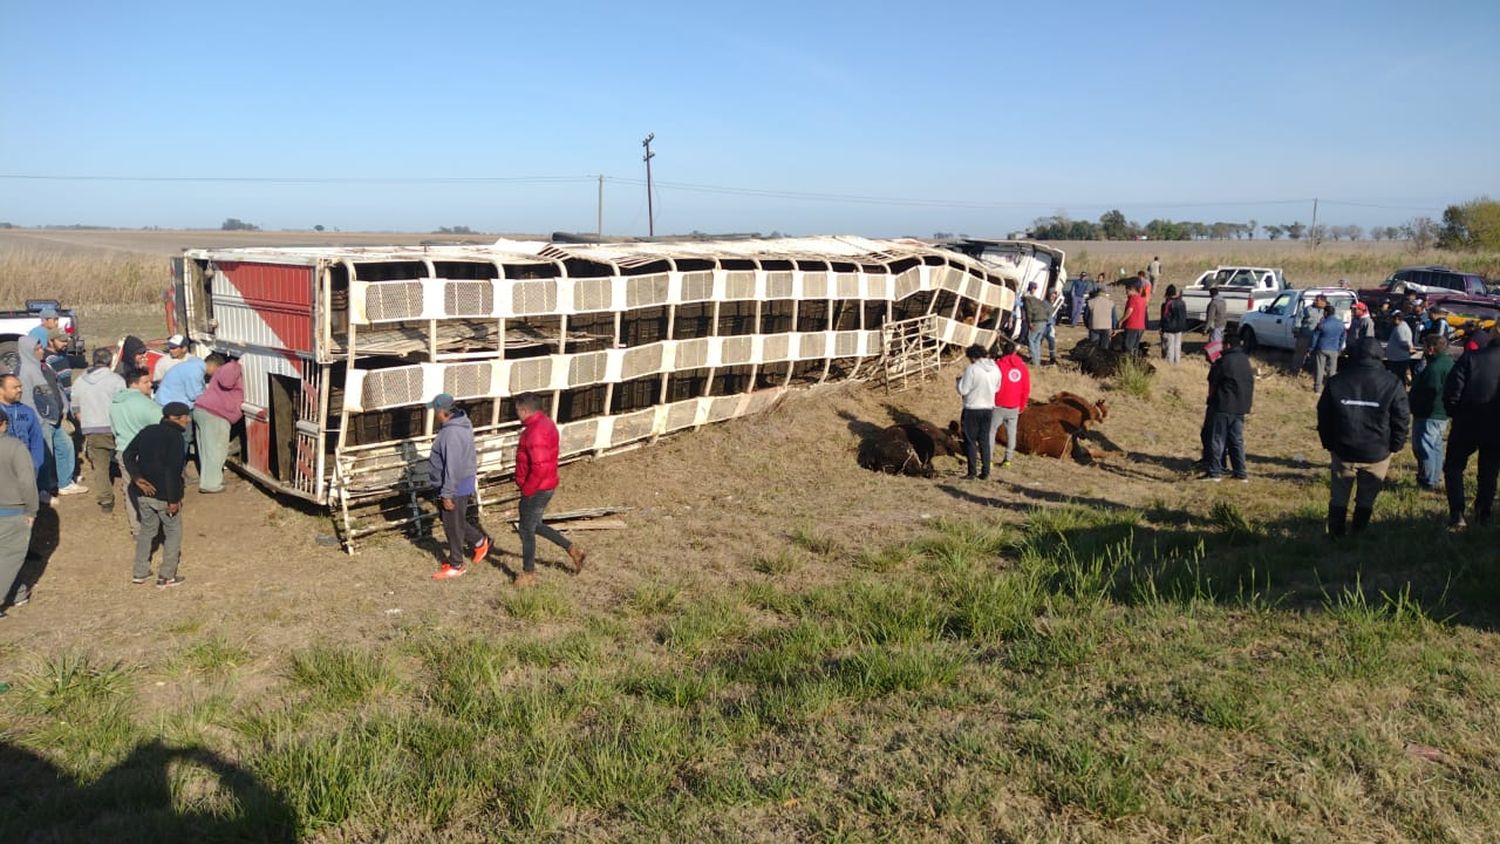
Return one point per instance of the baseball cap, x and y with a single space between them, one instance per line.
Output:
176 341
56 334
441 401
1361 308
176 408
48 312
102 356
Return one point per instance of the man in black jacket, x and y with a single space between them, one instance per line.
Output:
1231 393
1363 418
1471 395
155 460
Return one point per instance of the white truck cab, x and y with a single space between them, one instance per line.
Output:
1274 324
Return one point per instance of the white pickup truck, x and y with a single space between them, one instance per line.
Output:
1244 289
1274 325
14 324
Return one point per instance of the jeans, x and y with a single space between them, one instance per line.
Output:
1427 446
15 539
64 454
1010 417
1051 339
1299 354
532 509
1343 478
1132 340
458 530
1462 443
213 449
100 449
1075 313
154 518
1325 365
1100 336
1171 347
1228 436
1034 342
978 443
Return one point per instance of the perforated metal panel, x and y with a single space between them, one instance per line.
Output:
587 369
775 347
908 282
815 285
646 290
846 344
578 437
697 287
530 375
630 427
642 361
813 346
534 297
682 415
593 294
692 354
468 298
779 285
737 350
391 301
846 286
393 387
740 284
467 380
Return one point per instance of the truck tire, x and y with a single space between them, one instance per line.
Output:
1247 339
10 357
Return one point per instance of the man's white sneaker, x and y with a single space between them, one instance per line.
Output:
74 488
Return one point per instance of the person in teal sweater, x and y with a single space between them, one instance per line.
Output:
1429 418
131 411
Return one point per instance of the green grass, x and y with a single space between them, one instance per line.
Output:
1084 675
1133 378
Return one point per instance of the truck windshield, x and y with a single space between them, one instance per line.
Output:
1234 278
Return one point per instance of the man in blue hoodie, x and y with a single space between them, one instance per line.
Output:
455 470
24 424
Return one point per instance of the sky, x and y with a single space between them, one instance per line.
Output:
873 118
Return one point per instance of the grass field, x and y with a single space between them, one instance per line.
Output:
782 646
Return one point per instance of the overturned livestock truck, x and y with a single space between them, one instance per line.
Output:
342 347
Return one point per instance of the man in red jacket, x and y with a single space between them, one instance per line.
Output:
536 475
1011 398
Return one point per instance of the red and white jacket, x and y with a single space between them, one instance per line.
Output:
1015 383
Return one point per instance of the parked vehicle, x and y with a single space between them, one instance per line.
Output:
1274 325
1244 289
14 325
1435 279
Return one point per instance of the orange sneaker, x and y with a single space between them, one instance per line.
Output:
481 550
448 572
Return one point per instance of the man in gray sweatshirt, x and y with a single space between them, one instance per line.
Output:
455 466
18 503
91 399
978 386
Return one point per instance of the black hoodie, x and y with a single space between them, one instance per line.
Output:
1471 395
1363 414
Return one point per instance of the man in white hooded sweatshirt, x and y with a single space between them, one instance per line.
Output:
978 385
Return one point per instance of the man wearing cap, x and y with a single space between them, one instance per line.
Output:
455 470
1363 325
41 392
91 401
153 463
1307 322
1363 418
49 317
18 506
217 410
177 352
536 475
184 384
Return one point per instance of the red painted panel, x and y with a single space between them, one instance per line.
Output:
282 296
258 439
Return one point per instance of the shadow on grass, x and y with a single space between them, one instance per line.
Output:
979 492
134 800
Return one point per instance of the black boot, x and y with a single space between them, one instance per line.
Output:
1336 517
1362 518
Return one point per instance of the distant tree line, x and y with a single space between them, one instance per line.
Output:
1113 225
235 224
454 230
1472 225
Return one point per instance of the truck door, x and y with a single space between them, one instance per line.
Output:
1283 314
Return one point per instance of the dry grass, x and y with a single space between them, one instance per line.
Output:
82 278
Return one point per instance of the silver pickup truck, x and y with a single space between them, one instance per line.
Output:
1244 289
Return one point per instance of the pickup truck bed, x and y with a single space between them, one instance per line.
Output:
1243 289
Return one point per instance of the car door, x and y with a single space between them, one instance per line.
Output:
1282 315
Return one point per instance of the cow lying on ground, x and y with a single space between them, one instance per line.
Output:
1105 363
1059 427
908 449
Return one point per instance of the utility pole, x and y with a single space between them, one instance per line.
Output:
599 225
650 208
1312 233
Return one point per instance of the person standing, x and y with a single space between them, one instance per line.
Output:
1134 321
536 476
1078 293
1429 417
18 506
1153 269
1037 313
91 402
1173 325
978 386
1010 399
1363 324
1399 351
184 382
1326 343
1307 323
1144 285
154 463
1471 396
131 411
217 410
1101 317
41 392
1216 316
1231 396
1363 418
455 473
132 354
177 352
50 320
1054 309
24 424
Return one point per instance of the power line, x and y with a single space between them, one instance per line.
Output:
311 180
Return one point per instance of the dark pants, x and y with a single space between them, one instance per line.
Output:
154 519
1401 369
101 455
1132 340
459 531
1100 336
1228 436
532 509
977 441
1464 440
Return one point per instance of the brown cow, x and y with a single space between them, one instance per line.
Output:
1055 428
908 449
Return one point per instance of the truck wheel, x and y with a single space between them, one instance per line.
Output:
1247 339
10 357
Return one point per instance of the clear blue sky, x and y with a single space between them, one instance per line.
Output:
1076 107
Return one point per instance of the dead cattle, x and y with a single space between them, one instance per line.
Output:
1056 427
1105 363
908 449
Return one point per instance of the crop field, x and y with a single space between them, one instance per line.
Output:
781 645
